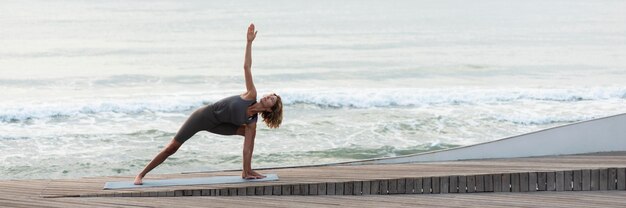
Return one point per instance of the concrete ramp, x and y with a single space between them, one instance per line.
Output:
598 135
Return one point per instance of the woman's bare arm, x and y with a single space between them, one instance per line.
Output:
248 149
250 89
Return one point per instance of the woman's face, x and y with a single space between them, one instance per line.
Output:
268 100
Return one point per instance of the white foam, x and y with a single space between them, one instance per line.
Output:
324 98
390 97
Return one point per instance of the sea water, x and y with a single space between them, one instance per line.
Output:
93 88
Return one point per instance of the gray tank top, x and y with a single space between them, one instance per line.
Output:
233 110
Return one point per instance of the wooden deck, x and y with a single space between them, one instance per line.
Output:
585 180
580 199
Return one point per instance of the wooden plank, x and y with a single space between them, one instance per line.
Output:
471 184
401 186
409 186
171 193
551 181
462 184
586 180
268 190
348 188
240 192
313 189
612 181
304 189
560 181
523 182
453 187
505 182
330 188
286 190
365 188
213 192
621 179
358 188
488 183
384 186
418 185
497 181
224 192
339 188
426 185
374 187
249 191
444 184
259 190
393 186
577 184
532 181
542 181
515 182
568 178
277 190
595 179
321 188
296 189
435 185
604 178
231 192
480 183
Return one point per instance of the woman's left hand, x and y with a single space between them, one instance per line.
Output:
258 175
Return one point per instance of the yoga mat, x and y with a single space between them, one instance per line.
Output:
186 181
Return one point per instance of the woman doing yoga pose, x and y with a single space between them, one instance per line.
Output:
234 115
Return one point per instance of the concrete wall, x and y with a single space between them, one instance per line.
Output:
599 135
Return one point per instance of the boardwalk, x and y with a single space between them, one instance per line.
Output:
575 168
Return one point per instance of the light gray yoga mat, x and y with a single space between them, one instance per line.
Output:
186 181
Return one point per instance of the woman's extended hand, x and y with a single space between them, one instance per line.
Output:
251 33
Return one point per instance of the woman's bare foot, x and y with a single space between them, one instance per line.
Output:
251 175
138 180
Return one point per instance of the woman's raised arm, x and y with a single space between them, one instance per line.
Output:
251 90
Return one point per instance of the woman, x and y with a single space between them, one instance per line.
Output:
234 115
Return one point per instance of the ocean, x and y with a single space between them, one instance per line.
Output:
98 88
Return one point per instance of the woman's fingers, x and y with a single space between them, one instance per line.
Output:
251 28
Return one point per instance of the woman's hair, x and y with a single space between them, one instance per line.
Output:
274 118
